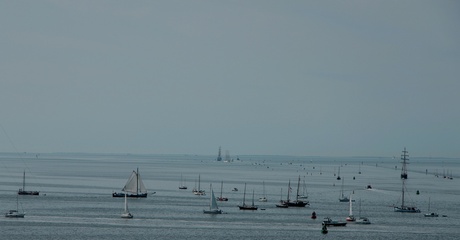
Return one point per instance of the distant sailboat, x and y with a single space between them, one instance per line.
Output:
297 202
430 214
126 213
198 191
221 190
22 191
282 204
264 197
213 208
134 187
342 197
15 213
304 191
350 217
219 155
404 208
338 175
182 185
362 220
244 206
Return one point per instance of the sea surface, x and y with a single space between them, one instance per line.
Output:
75 200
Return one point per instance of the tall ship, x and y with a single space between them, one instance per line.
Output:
219 155
297 202
133 188
403 207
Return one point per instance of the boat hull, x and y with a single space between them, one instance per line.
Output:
139 195
35 193
406 209
296 203
245 207
216 211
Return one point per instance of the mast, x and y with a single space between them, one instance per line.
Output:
252 197
219 155
298 187
137 181
24 181
289 189
244 195
404 158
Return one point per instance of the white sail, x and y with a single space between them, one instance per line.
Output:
134 184
213 205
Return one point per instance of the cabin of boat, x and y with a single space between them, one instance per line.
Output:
329 222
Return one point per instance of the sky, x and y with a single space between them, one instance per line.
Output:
306 78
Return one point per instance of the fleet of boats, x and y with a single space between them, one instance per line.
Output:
135 187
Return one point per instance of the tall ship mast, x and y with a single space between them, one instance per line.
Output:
403 207
219 155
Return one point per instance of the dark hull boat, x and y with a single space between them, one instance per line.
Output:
22 191
134 187
404 208
130 195
244 206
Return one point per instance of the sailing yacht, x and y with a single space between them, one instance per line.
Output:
134 187
221 189
264 198
297 202
15 213
362 220
182 185
213 208
404 208
342 197
282 204
350 217
304 191
244 206
22 191
126 213
198 191
430 214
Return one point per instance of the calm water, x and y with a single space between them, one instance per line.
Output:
75 199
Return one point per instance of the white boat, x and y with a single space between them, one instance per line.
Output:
126 213
430 214
15 213
134 187
22 191
350 217
213 208
304 194
404 208
362 220
198 191
264 198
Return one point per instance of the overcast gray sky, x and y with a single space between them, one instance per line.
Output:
330 78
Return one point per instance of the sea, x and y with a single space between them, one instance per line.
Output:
76 202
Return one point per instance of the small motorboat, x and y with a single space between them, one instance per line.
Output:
329 222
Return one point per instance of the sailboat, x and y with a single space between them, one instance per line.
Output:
221 189
404 208
350 217
244 206
15 213
342 197
304 191
282 204
338 175
430 214
264 198
219 155
297 202
213 208
182 183
134 187
198 191
362 220
22 191
126 213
